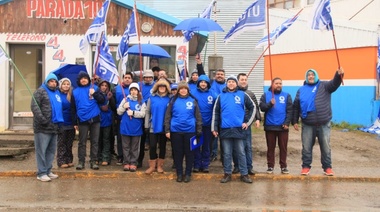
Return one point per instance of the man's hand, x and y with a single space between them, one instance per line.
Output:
215 133
257 123
340 71
244 126
167 135
130 112
92 91
296 127
126 105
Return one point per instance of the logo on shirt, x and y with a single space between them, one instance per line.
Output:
137 107
314 89
282 99
210 100
237 100
58 98
189 105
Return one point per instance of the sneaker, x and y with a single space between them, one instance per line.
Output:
284 171
245 178
94 166
226 178
119 162
205 170
305 171
195 170
80 166
44 178
187 179
236 170
132 168
179 178
270 170
126 167
51 175
329 172
251 172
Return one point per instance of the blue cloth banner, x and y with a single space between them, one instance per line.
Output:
253 18
95 30
104 64
194 143
205 14
378 58
277 32
182 70
321 18
122 49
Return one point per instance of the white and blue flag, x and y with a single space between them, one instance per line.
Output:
253 18
104 64
276 33
96 29
3 56
205 14
320 16
122 49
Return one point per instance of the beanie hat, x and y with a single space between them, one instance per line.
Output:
183 84
134 85
148 73
50 76
174 86
232 77
63 80
316 78
195 71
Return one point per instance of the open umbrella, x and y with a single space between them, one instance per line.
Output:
70 71
149 50
199 24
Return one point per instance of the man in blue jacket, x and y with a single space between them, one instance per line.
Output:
230 128
313 104
86 113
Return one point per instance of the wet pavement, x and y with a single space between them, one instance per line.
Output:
353 188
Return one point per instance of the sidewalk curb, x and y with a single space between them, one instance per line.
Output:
195 176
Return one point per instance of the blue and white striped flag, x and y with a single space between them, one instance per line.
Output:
122 49
320 16
205 14
3 56
95 30
104 64
253 18
277 32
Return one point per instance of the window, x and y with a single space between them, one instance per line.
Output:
283 4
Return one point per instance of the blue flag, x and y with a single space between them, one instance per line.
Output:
253 18
95 30
3 56
205 14
276 33
321 18
122 49
104 64
181 69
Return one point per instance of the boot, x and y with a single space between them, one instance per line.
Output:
152 166
160 165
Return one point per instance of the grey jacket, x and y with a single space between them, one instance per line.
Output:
42 120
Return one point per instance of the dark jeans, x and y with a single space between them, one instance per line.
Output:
104 153
181 146
247 149
282 137
160 139
94 129
118 140
202 154
144 136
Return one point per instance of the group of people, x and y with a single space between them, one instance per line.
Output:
155 110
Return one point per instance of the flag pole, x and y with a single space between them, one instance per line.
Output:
270 55
139 42
336 52
22 77
258 59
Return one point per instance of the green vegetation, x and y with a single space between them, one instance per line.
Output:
345 125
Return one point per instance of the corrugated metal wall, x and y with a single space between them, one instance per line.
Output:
240 54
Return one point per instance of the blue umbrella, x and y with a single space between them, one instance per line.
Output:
70 71
149 50
199 24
